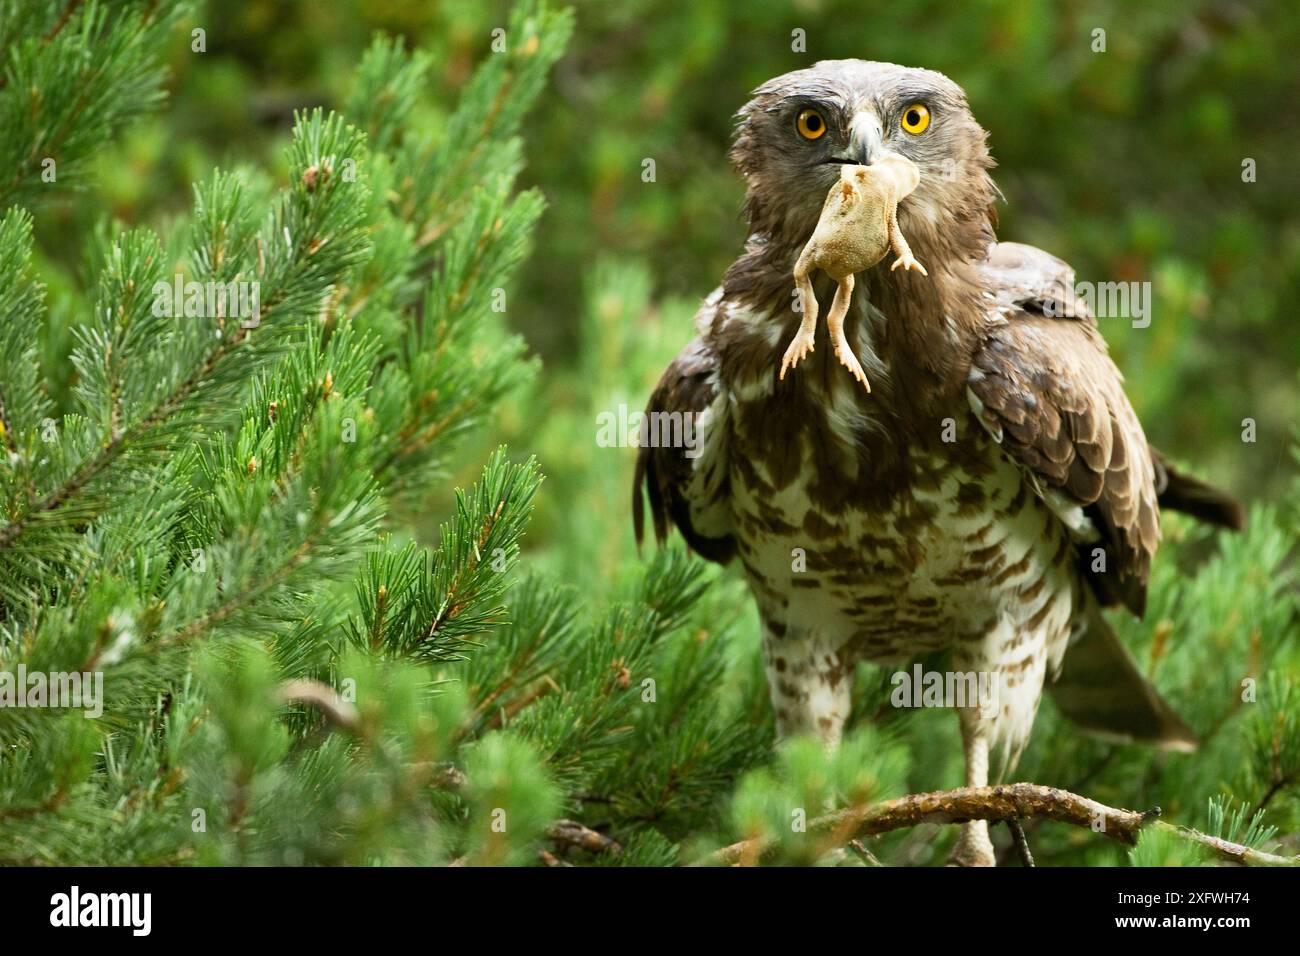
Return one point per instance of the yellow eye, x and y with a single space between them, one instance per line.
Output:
916 118
811 125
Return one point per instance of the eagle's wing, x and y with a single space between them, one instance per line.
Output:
689 486
1044 386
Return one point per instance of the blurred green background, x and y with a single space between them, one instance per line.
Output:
1127 163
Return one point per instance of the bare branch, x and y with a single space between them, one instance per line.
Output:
867 857
1021 842
1006 802
573 833
324 698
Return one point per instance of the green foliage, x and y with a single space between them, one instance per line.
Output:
73 75
22 405
1238 824
511 801
428 605
776 806
207 520
315 651
1159 847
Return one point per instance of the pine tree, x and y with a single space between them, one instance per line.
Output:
211 522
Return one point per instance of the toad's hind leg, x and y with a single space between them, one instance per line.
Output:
896 239
835 325
802 343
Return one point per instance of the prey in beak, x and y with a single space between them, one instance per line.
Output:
857 228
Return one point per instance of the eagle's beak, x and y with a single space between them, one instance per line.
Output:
866 140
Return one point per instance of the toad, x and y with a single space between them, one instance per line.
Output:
857 228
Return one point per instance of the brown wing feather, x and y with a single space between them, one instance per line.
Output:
1043 381
1024 279
691 499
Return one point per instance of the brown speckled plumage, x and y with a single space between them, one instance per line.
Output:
961 506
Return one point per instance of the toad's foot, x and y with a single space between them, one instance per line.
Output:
835 326
800 346
850 361
908 261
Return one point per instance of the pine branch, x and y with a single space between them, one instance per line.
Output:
329 239
481 130
67 89
22 404
865 855
1004 803
219 481
430 605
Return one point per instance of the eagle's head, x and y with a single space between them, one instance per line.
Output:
800 127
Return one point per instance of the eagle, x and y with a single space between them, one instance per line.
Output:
984 501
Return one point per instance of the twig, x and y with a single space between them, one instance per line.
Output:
564 832
447 776
1022 844
53 31
1004 855
572 833
1279 784
507 713
867 857
569 833
324 698
63 20
1008 802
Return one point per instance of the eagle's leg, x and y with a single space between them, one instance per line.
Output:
809 682
835 325
974 847
896 238
802 343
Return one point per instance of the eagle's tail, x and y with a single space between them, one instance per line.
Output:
1101 690
1181 492
1100 687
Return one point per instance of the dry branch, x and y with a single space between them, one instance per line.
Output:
1007 802
572 833
325 699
